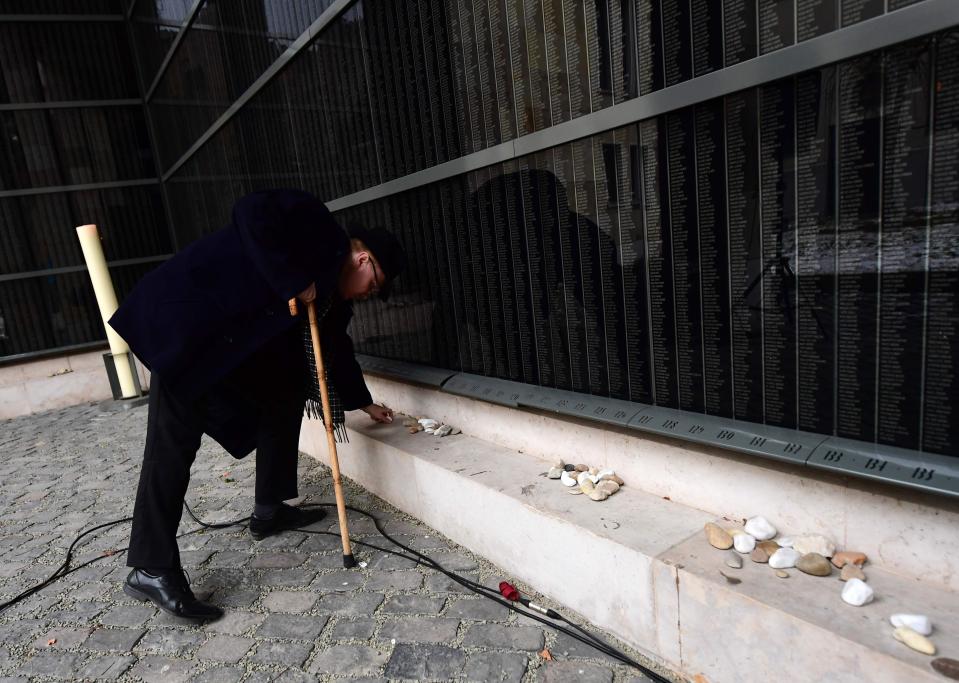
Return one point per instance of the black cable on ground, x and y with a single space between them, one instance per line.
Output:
64 568
494 595
410 554
212 525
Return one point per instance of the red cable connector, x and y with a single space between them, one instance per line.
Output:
508 591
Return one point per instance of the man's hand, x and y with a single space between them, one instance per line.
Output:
378 413
308 294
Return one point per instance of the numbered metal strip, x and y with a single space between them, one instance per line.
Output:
501 391
769 442
598 408
923 471
402 370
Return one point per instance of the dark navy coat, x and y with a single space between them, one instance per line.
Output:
209 308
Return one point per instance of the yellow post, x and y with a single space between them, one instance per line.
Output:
107 302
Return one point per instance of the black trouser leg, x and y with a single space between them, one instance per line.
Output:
174 429
277 449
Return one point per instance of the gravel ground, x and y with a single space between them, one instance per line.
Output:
292 612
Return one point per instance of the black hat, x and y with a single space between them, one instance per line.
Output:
386 249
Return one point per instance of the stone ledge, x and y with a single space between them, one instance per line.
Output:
638 564
906 532
767 625
53 383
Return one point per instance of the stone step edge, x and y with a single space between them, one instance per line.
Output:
659 637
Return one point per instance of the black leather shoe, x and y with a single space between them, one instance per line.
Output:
286 517
170 592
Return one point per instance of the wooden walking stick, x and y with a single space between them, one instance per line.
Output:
348 559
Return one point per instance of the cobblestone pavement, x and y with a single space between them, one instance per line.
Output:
292 612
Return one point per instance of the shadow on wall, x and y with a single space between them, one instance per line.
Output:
527 276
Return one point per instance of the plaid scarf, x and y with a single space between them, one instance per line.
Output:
314 401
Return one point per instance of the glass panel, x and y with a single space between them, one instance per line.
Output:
229 45
56 310
38 230
59 61
156 24
73 146
64 6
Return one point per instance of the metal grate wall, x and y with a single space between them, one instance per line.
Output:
74 149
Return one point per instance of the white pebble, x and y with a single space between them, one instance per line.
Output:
760 529
429 422
785 541
814 543
744 543
567 479
784 558
857 592
443 430
919 623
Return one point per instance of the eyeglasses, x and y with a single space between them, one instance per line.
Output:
375 286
